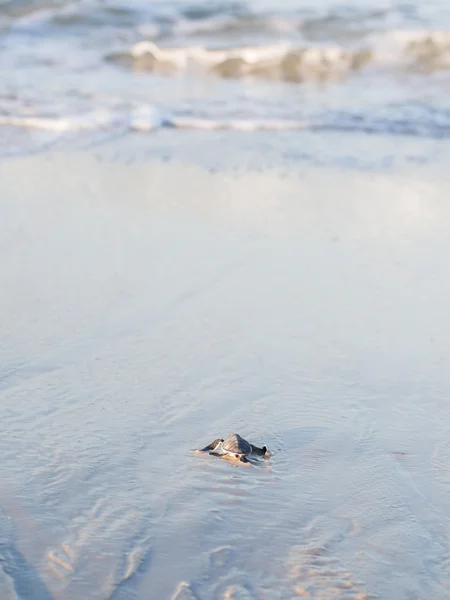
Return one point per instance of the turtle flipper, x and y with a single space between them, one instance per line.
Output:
259 451
212 445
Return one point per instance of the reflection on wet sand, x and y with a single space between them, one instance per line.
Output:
315 320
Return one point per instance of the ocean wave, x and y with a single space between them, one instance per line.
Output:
275 61
156 19
197 20
419 122
411 50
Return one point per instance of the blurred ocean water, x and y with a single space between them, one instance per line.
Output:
100 67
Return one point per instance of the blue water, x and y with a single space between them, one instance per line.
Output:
84 70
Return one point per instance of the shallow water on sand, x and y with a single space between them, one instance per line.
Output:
149 307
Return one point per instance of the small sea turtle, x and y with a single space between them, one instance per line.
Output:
235 447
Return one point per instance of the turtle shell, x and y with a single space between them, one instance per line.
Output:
236 445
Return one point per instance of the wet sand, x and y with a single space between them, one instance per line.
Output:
149 307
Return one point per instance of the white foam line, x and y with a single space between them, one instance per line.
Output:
146 121
90 121
36 123
235 124
183 55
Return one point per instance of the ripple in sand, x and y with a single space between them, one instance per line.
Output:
315 571
184 592
106 544
60 560
133 561
53 476
301 592
237 592
220 557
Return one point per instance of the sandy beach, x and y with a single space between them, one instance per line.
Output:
150 305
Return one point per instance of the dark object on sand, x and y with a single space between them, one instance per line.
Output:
235 447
